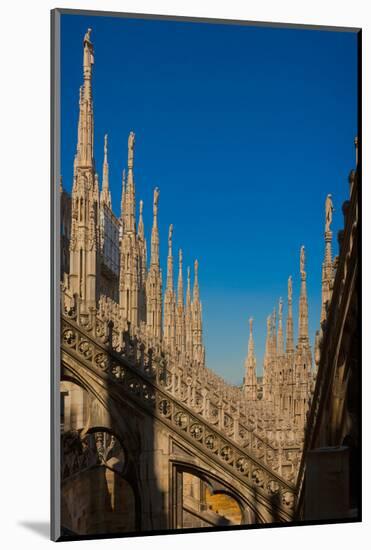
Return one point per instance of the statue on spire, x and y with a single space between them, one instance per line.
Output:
87 37
170 235
156 194
302 260
289 289
250 323
329 208
105 146
280 306
88 50
131 143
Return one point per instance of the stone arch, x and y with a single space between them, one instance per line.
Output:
233 506
102 495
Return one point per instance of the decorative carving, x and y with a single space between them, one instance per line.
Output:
243 465
288 499
69 337
273 487
226 453
181 420
258 477
211 442
93 449
196 431
85 349
165 407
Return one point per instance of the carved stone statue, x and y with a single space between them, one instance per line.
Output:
280 306
329 210
87 37
170 234
156 194
289 288
302 259
250 323
131 142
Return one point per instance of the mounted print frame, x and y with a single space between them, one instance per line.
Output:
206 318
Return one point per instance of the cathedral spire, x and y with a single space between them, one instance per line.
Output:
142 249
169 300
251 347
105 196
289 322
267 371
188 292
303 303
84 242
85 142
129 212
280 344
140 223
123 192
268 339
154 237
250 386
196 289
188 317
274 334
198 348
180 317
327 271
154 278
169 280
180 279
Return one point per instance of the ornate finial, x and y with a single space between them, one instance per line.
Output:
329 208
289 289
250 323
131 143
140 206
302 260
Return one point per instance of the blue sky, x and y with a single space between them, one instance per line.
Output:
245 130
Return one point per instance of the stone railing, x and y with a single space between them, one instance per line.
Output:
145 378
